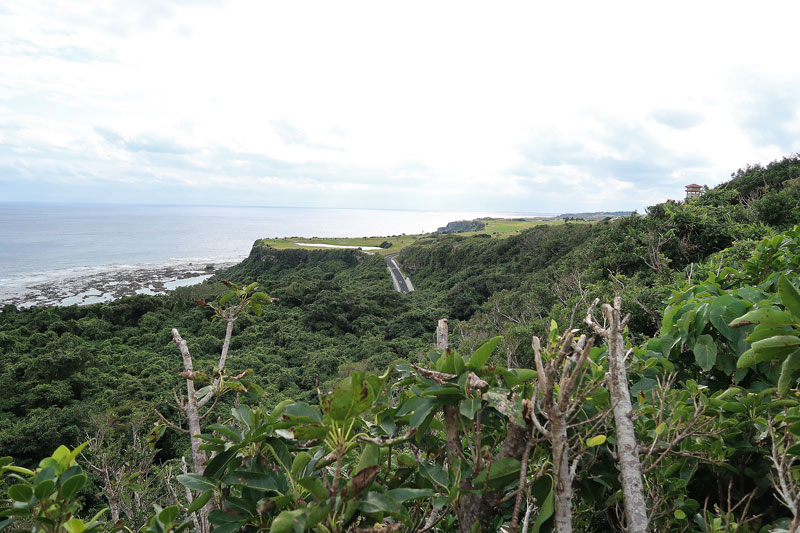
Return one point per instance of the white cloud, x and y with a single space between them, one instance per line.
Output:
516 105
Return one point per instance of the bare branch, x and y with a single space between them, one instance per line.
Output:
439 377
523 477
170 424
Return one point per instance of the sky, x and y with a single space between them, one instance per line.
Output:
536 107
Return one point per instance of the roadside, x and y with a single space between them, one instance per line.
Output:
402 284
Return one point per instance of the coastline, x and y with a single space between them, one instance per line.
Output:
101 253
103 284
63 254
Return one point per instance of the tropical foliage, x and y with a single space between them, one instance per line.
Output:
335 414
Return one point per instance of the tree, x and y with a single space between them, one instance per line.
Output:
242 298
627 448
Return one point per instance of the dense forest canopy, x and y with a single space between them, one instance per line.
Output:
330 440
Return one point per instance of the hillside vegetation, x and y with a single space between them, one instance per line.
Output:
509 433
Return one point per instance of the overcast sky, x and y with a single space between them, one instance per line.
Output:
505 106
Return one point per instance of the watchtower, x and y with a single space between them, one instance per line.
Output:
693 191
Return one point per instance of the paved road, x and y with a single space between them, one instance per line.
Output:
401 283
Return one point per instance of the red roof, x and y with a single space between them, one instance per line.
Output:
694 186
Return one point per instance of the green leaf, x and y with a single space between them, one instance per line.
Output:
310 432
545 512
200 394
553 332
751 357
724 309
482 354
316 487
705 352
734 407
730 393
410 405
219 462
18 469
256 307
793 450
442 390
515 376
200 501
70 459
404 494
316 513
597 440
183 526
218 516
98 514
680 515
242 414
230 527
351 397
60 456
70 472
369 457
72 485
289 522
501 472
789 295
790 365
377 502
196 482
421 412
451 363
44 474
261 297
74 525
762 332
44 488
434 473
770 316
299 463
303 412
701 317
469 407
512 408
669 318
20 493
227 431
779 344
224 299
251 480
168 514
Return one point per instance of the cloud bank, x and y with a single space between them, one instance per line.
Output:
446 105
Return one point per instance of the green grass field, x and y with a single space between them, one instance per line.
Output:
398 243
496 227
504 227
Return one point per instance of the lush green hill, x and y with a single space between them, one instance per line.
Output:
337 314
336 309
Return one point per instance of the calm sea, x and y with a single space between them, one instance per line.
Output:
42 243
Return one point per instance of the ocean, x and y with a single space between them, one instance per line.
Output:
47 249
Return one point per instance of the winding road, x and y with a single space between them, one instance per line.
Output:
401 283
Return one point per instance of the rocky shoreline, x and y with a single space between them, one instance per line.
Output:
106 285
